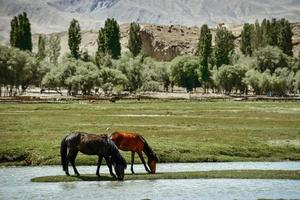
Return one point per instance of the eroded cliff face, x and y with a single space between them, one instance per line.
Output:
166 42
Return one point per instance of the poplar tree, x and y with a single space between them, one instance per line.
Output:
101 42
14 24
20 34
25 27
265 29
74 38
204 50
109 39
112 38
224 46
285 35
41 54
256 36
273 33
135 40
245 45
53 50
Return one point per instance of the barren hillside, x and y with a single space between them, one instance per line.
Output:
49 16
162 42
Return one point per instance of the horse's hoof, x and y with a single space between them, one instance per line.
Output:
67 173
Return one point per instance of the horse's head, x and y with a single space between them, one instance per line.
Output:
120 167
118 161
152 163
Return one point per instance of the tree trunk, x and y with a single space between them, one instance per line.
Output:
10 90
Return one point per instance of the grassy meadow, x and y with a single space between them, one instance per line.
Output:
178 131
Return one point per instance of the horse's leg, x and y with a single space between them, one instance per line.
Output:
108 162
67 169
143 161
72 156
98 165
132 161
67 164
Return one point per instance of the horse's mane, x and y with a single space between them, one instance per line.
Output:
115 154
75 136
148 151
105 136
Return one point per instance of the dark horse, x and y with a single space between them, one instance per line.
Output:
135 143
91 144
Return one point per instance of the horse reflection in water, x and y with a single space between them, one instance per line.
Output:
92 144
128 141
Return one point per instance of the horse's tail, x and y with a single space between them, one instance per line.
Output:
63 153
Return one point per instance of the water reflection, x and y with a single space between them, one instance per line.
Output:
67 186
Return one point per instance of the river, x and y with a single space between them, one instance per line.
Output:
15 184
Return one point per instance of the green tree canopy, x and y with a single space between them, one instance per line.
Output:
256 36
74 38
230 77
20 34
101 42
109 39
285 35
53 49
41 54
224 46
204 50
184 72
270 58
134 40
19 69
245 45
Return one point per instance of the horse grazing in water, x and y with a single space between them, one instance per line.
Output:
91 144
134 142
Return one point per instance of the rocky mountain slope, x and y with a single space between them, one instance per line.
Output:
162 42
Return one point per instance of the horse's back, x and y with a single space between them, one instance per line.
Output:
128 141
93 144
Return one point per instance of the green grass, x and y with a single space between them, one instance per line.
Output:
178 131
232 174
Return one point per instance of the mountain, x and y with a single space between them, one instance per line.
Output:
48 16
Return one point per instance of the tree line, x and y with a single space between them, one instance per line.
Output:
263 64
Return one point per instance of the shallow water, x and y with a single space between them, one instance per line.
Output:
15 184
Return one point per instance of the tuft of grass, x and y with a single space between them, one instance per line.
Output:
230 174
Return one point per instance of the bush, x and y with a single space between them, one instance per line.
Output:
19 69
279 83
184 72
296 79
270 58
152 86
253 79
230 77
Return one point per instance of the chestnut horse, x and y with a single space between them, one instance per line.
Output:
135 143
91 144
